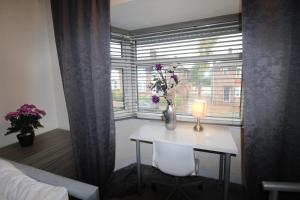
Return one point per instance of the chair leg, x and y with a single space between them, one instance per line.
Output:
197 165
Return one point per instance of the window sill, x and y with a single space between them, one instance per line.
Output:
185 118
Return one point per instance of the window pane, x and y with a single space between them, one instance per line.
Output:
115 50
237 92
226 94
117 89
238 72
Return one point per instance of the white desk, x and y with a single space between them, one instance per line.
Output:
213 139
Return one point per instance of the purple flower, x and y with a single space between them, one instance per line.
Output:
24 110
158 67
31 106
11 115
175 77
42 112
27 107
34 113
155 99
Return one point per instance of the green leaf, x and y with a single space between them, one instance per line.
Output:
12 130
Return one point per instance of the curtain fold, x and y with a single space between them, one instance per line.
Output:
271 93
82 33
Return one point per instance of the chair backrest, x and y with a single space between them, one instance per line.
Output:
173 159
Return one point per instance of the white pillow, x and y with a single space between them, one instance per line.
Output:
14 185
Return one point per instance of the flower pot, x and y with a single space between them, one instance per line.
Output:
170 117
26 139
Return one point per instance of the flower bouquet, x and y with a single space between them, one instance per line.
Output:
164 85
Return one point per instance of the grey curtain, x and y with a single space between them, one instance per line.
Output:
82 33
271 82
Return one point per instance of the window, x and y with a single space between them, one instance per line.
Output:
226 94
237 92
238 72
122 77
117 78
209 66
117 89
225 70
115 49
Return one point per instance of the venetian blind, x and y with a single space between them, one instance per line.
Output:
123 76
209 66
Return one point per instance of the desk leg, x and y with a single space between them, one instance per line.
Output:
138 165
227 176
221 169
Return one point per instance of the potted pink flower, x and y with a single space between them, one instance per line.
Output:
25 120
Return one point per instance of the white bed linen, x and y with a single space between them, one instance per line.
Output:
14 185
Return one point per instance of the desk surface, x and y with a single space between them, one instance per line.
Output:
213 138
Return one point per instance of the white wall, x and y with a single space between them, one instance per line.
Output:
209 163
29 72
62 115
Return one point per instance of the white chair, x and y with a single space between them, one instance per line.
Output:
176 160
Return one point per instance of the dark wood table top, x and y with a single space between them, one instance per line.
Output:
51 151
